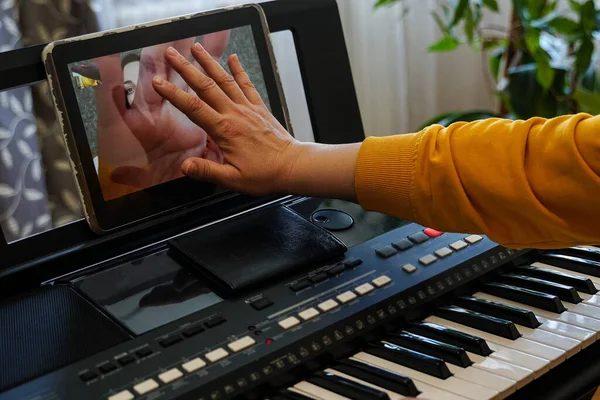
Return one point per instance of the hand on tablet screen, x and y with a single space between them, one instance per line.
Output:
258 151
143 139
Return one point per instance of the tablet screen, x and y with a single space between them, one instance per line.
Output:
137 139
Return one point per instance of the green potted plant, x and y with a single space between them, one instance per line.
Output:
543 63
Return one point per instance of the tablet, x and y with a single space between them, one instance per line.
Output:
126 144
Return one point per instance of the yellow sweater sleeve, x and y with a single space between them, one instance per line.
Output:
533 183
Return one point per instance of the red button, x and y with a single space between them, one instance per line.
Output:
432 233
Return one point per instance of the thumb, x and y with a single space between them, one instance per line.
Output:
206 170
132 176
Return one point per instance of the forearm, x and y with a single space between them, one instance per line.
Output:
321 170
524 183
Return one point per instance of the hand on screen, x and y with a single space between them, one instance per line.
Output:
259 153
143 138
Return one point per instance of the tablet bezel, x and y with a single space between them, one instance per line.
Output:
106 216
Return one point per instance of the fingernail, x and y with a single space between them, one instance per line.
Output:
158 81
236 58
171 51
188 167
198 47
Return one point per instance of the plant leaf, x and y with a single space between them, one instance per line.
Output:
584 54
447 43
588 16
491 4
382 3
544 73
494 62
24 148
588 102
440 23
459 11
15 105
469 25
36 170
29 130
4 133
563 25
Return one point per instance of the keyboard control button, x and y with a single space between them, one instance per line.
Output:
352 262
146 386
364 289
328 305
473 239
289 322
144 352
193 365
170 376
403 244
432 233
298 286
309 313
409 268
170 341
261 304
443 252
124 395
320 277
381 281
336 269
126 359
457 246
106 368
418 238
88 376
241 344
346 297
215 321
193 331
386 251
428 259
216 355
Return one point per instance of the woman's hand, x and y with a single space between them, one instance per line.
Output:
261 156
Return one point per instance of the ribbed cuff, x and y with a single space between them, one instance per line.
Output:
384 171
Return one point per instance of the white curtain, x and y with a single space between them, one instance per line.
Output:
399 84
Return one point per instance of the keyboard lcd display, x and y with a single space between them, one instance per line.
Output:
147 293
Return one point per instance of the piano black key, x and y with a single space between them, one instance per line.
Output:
346 387
468 342
289 395
517 315
581 252
379 377
547 302
563 292
583 285
447 352
496 326
433 366
577 264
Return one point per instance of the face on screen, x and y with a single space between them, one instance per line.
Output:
138 139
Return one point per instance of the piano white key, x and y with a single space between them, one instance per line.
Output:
521 376
585 336
566 316
428 392
594 279
570 346
591 299
502 385
392 395
316 392
536 364
584 309
552 354
452 384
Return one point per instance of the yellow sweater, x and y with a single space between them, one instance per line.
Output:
533 183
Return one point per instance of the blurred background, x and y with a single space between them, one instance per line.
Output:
415 62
